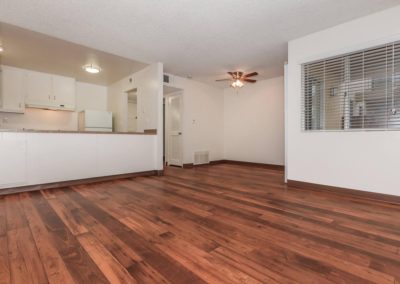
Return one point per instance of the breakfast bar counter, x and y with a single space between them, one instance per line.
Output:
37 157
146 132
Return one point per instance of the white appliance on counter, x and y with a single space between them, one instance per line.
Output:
95 120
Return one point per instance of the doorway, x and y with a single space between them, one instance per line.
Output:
173 135
132 111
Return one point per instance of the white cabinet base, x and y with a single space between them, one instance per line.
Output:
43 158
13 163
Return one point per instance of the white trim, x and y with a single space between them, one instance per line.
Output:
350 49
167 126
286 100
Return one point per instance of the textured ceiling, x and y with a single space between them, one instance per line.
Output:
203 38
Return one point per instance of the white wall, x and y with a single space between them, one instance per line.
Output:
147 86
359 160
254 122
88 96
202 118
148 82
117 103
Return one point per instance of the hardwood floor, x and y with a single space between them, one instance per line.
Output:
215 224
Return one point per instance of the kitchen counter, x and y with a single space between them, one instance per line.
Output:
146 132
34 157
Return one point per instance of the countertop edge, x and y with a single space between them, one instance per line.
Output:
152 132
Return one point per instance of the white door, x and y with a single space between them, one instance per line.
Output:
132 117
174 119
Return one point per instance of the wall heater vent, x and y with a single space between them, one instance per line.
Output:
201 157
166 78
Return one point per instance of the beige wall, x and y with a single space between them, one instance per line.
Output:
145 81
254 122
244 126
40 119
202 118
90 96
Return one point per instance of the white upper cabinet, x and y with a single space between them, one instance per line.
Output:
20 88
39 90
64 92
12 90
50 91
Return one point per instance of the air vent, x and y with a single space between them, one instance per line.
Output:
166 78
201 157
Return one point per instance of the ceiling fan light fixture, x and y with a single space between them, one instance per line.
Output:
237 84
92 69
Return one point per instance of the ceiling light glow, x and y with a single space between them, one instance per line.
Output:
92 69
237 84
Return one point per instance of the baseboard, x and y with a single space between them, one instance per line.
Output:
11 190
366 195
217 162
258 165
241 163
188 166
191 165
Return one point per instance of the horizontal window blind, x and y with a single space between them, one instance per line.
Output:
359 90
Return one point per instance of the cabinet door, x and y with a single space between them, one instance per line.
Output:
64 92
12 91
13 163
38 90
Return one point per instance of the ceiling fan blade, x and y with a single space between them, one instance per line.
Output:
251 74
223 80
249 80
232 74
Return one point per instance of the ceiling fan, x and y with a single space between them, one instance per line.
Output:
238 78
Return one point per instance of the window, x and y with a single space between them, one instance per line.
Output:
360 90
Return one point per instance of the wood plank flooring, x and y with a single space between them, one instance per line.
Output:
212 224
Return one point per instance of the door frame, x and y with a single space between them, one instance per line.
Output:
167 126
286 112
